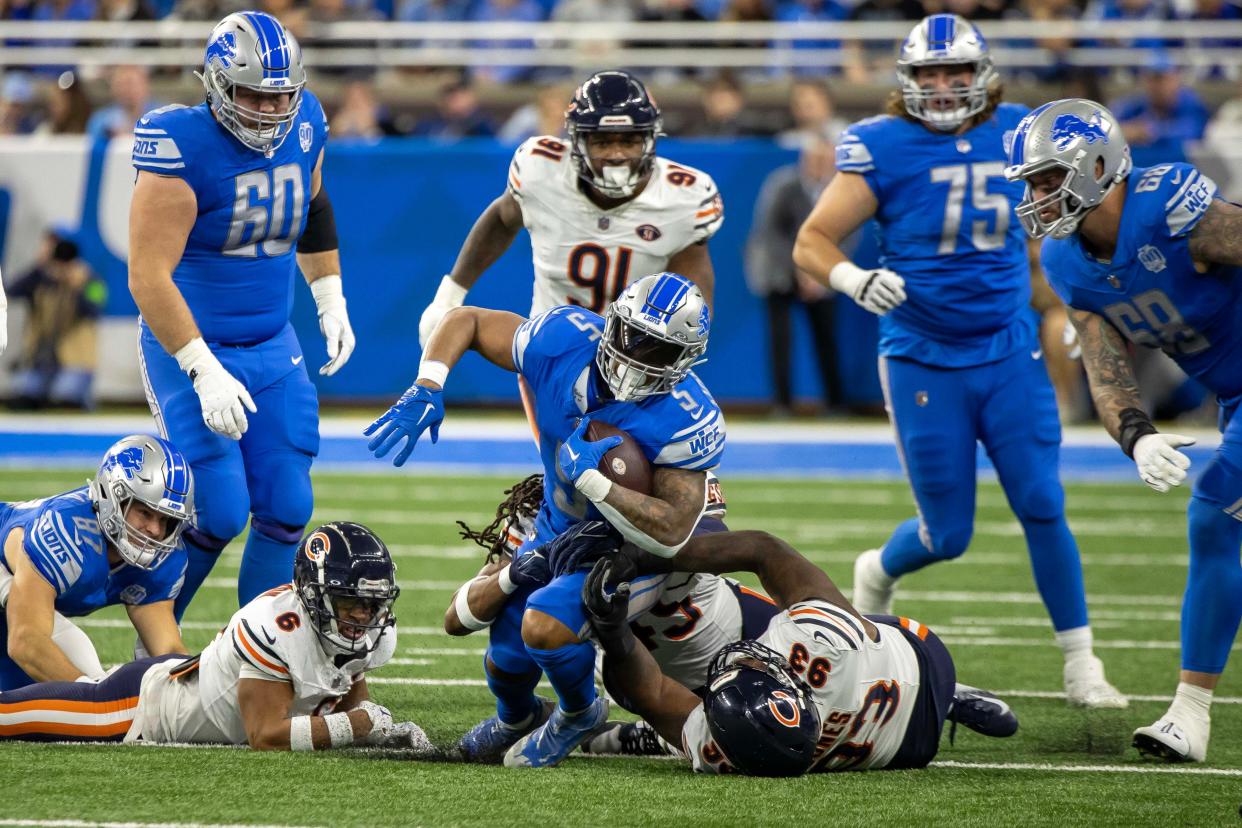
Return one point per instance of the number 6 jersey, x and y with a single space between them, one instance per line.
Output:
585 255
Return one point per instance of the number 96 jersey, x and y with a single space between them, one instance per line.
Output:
236 273
585 255
864 690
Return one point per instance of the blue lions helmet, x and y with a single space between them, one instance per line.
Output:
148 471
1082 141
938 40
654 333
613 102
251 50
347 582
761 715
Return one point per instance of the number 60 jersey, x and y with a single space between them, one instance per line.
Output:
236 273
585 255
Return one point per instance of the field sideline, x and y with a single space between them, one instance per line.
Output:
1064 767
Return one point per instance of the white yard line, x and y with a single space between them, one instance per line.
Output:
1143 697
1048 766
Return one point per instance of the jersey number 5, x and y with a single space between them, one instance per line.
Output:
993 207
267 211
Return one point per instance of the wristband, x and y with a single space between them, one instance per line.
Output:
300 734
327 292
433 370
462 606
506 583
594 485
194 356
449 293
846 277
340 729
1134 424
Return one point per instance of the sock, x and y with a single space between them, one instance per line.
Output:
1058 573
1212 606
1075 643
267 561
905 551
516 703
571 671
1191 702
202 552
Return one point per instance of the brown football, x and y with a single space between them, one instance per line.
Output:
625 465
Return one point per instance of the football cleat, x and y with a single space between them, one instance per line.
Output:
982 712
626 739
1172 741
489 739
548 745
873 587
1085 686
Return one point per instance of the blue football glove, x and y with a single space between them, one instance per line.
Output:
581 546
578 455
419 409
530 569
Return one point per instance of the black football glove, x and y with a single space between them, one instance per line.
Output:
530 569
581 546
609 612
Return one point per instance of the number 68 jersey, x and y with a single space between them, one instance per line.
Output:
270 639
585 255
864 690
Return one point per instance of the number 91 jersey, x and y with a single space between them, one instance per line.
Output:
237 271
585 255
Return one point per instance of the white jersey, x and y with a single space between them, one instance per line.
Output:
864 690
585 255
271 639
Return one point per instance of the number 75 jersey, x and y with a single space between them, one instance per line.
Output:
237 271
585 255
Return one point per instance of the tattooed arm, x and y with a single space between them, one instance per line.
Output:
1217 238
661 523
1106 357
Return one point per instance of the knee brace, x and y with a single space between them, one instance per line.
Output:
276 531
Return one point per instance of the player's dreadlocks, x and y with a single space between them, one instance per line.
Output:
523 498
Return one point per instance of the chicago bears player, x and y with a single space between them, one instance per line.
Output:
287 673
960 360
114 541
822 689
630 368
229 203
1153 256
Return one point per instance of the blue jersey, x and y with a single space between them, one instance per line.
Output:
237 271
946 215
555 353
65 546
1151 291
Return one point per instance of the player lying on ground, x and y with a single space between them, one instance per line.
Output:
287 673
823 689
683 622
1153 256
113 541
631 368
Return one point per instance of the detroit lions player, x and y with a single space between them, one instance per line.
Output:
229 203
630 368
959 358
114 541
1153 256
288 672
823 688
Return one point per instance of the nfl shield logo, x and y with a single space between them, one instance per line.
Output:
1152 258
920 398
305 135
604 222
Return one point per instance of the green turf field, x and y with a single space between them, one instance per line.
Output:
1064 767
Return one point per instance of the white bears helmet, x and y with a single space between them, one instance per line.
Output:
938 40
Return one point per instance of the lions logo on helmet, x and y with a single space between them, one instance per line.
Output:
939 40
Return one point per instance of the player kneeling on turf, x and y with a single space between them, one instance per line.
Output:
823 689
287 673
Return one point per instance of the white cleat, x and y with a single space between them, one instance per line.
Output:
1085 686
873 587
1171 741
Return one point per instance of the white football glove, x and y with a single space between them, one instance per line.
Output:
408 736
1069 338
878 290
221 396
448 296
1159 462
381 722
333 322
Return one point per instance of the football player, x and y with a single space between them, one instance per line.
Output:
631 368
113 541
287 673
1151 256
960 360
228 204
822 689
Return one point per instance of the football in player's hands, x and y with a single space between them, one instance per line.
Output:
624 464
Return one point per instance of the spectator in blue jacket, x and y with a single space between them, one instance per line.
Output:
1162 120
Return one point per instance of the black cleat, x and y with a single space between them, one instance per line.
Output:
982 712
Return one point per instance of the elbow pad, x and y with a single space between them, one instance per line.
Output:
320 233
